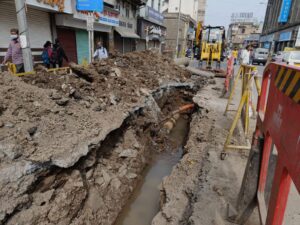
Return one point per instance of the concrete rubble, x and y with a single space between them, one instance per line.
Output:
73 146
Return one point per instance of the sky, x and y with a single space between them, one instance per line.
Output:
218 12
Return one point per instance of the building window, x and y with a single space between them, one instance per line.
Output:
152 3
127 11
159 5
243 30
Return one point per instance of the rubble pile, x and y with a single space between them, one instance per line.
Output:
69 154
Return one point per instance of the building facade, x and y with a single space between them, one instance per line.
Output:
181 30
281 25
187 7
151 27
116 26
241 34
41 23
201 11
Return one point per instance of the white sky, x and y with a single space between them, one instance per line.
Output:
218 12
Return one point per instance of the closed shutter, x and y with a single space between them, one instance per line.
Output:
67 38
82 43
38 23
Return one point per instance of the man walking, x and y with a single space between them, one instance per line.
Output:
14 51
101 52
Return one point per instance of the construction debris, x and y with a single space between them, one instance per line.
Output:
68 151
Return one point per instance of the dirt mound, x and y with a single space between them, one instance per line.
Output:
121 78
52 131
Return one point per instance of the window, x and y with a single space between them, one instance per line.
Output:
243 30
152 3
127 11
159 5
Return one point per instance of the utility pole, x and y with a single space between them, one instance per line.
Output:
178 21
24 35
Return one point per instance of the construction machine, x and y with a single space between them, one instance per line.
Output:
211 44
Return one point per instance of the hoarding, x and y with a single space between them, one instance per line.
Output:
285 11
89 5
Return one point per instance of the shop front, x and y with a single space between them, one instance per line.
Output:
284 40
40 24
125 37
77 44
267 41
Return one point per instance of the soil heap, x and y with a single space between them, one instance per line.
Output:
52 128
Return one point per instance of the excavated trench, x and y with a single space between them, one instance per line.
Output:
118 181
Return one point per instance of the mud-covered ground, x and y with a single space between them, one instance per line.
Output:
72 146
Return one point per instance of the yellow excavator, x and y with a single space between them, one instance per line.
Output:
211 43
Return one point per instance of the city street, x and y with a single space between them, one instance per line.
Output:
106 118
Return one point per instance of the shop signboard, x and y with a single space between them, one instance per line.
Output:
285 11
285 36
89 5
106 17
64 6
154 15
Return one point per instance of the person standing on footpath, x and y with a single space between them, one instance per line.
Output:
245 56
101 52
58 54
47 55
235 55
14 51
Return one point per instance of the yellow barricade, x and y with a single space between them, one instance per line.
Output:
247 73
12 69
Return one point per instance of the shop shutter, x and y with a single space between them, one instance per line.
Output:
67 38
82 43
38 22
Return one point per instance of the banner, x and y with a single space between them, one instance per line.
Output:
285 11
89 5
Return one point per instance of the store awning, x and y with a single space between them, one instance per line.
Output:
126 33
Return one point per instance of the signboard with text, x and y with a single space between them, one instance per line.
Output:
89 5
285 11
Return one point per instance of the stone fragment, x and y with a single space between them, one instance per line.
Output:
62 102
128 153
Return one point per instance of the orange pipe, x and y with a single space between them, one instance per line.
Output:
186 107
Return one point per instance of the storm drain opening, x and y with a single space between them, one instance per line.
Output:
170 137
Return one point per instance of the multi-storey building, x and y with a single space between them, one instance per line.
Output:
201 11
241 34
281 25
151 30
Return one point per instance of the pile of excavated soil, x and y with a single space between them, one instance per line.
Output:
121 78
67 154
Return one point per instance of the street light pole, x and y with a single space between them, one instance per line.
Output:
24 35
178 21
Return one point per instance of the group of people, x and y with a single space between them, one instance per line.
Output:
243 56
52 55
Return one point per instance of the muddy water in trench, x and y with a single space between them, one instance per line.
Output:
144 204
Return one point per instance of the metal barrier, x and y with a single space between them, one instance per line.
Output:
247 73
278 124
12 69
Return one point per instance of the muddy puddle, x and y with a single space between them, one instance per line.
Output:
144 204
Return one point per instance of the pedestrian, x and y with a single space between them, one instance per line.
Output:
235 55
245 55
47 54
58 54
14 51
101 52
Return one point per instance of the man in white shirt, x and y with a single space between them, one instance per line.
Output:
245 56
101 52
